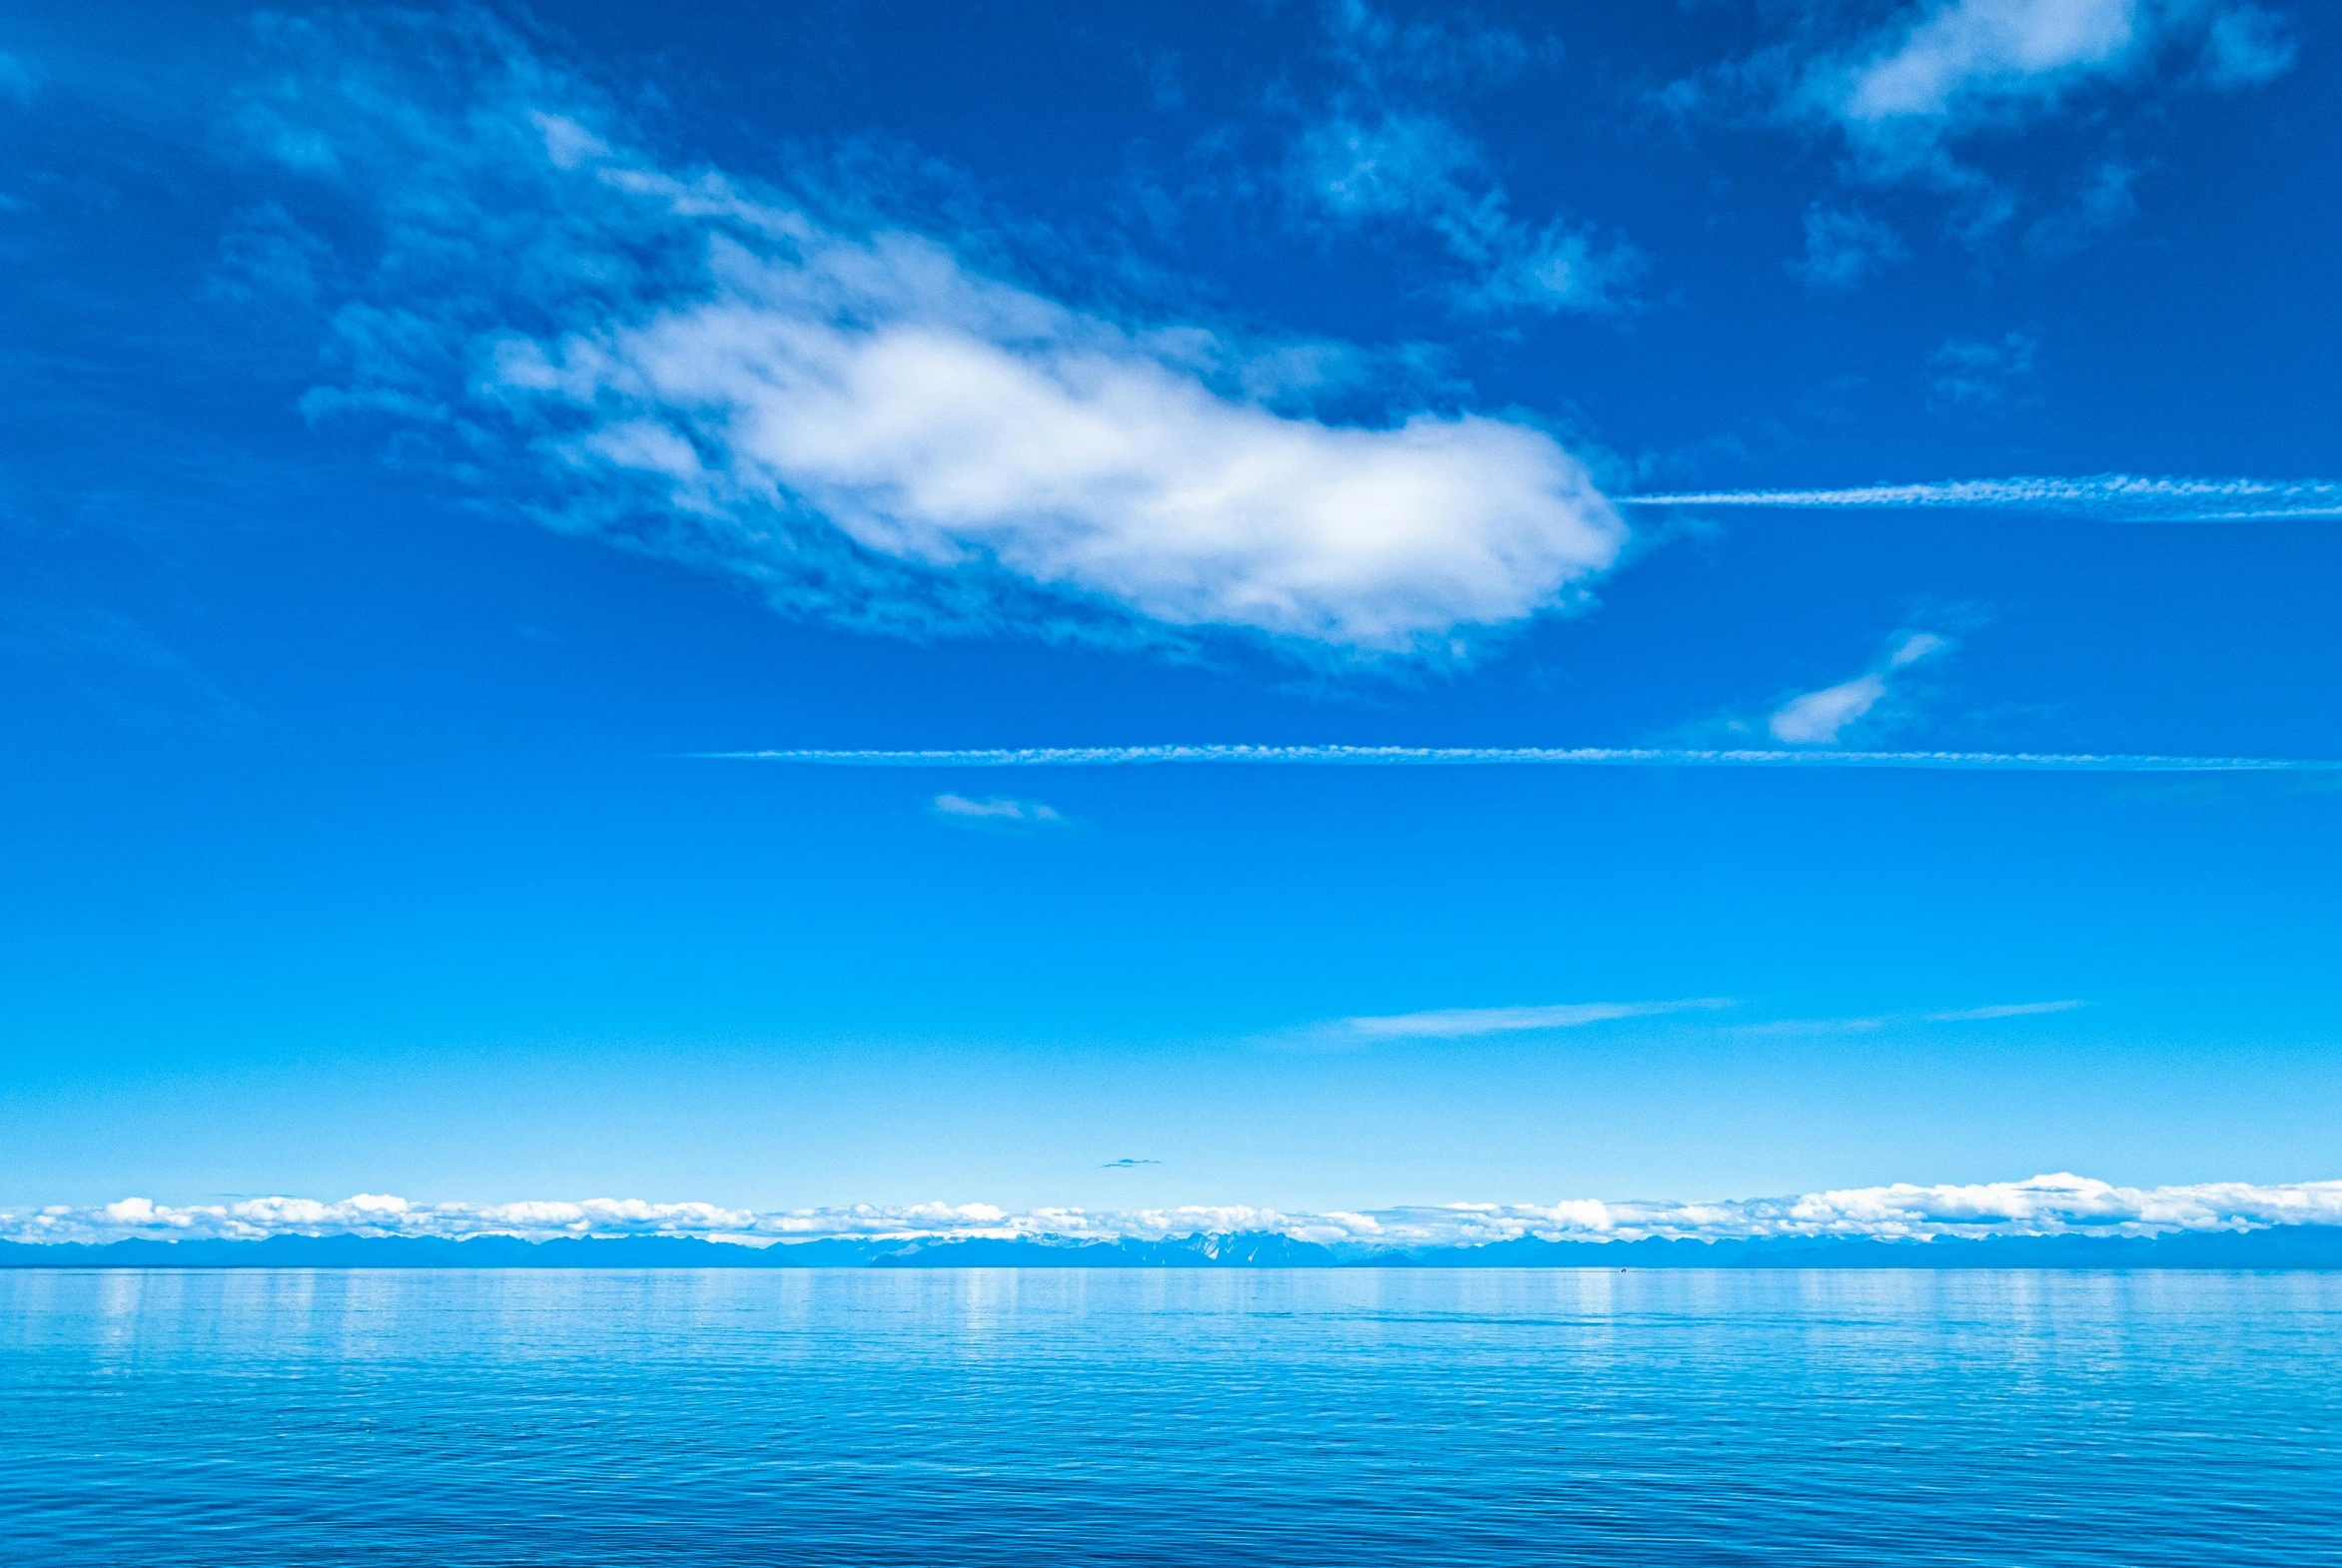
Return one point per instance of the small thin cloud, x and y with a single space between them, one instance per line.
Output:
1842 248
1981 374
2246 46
1957 67
1773 1028
997 811
1166 89
265 253
1378 155
1984 1015
1470 1023
1819 718
1873 1022
1419 169
2106 202
119 665
1127 1164
17 80
1943 93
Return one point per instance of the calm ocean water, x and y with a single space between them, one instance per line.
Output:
1319 1416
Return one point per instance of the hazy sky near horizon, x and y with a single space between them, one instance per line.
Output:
436 436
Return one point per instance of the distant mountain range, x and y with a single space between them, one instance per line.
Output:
2279 1247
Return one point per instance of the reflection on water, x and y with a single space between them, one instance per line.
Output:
1126 1417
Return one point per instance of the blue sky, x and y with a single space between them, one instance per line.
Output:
434 435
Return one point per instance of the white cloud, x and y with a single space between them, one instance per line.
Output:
1818 718
2001 1010
997 811
1378 156
1873 1022
1842 248
1953 66
1447 55
2104 203
1965 52
1395 167
865 425
1419 169
1980 373
2055 1204
946 421
1463 1022
2246 46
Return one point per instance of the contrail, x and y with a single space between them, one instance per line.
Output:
1539 756
2108 497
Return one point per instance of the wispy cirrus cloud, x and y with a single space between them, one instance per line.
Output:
1418 169
997 811
853 415
2051 1204
1521 756
2102 497
1843 247
1982 372
1953 68
1470 1023
1379 155
117 664
2002 1010
1942 94
1866 1023
18 82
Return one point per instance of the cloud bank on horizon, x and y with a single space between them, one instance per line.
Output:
2052 1204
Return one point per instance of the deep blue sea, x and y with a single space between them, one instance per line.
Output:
1142 1417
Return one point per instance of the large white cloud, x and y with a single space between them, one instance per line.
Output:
2057 1205
944 420
865 423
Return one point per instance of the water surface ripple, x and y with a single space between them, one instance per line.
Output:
1101 1417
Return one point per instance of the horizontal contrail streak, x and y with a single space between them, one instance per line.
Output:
1545 756
2113 498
